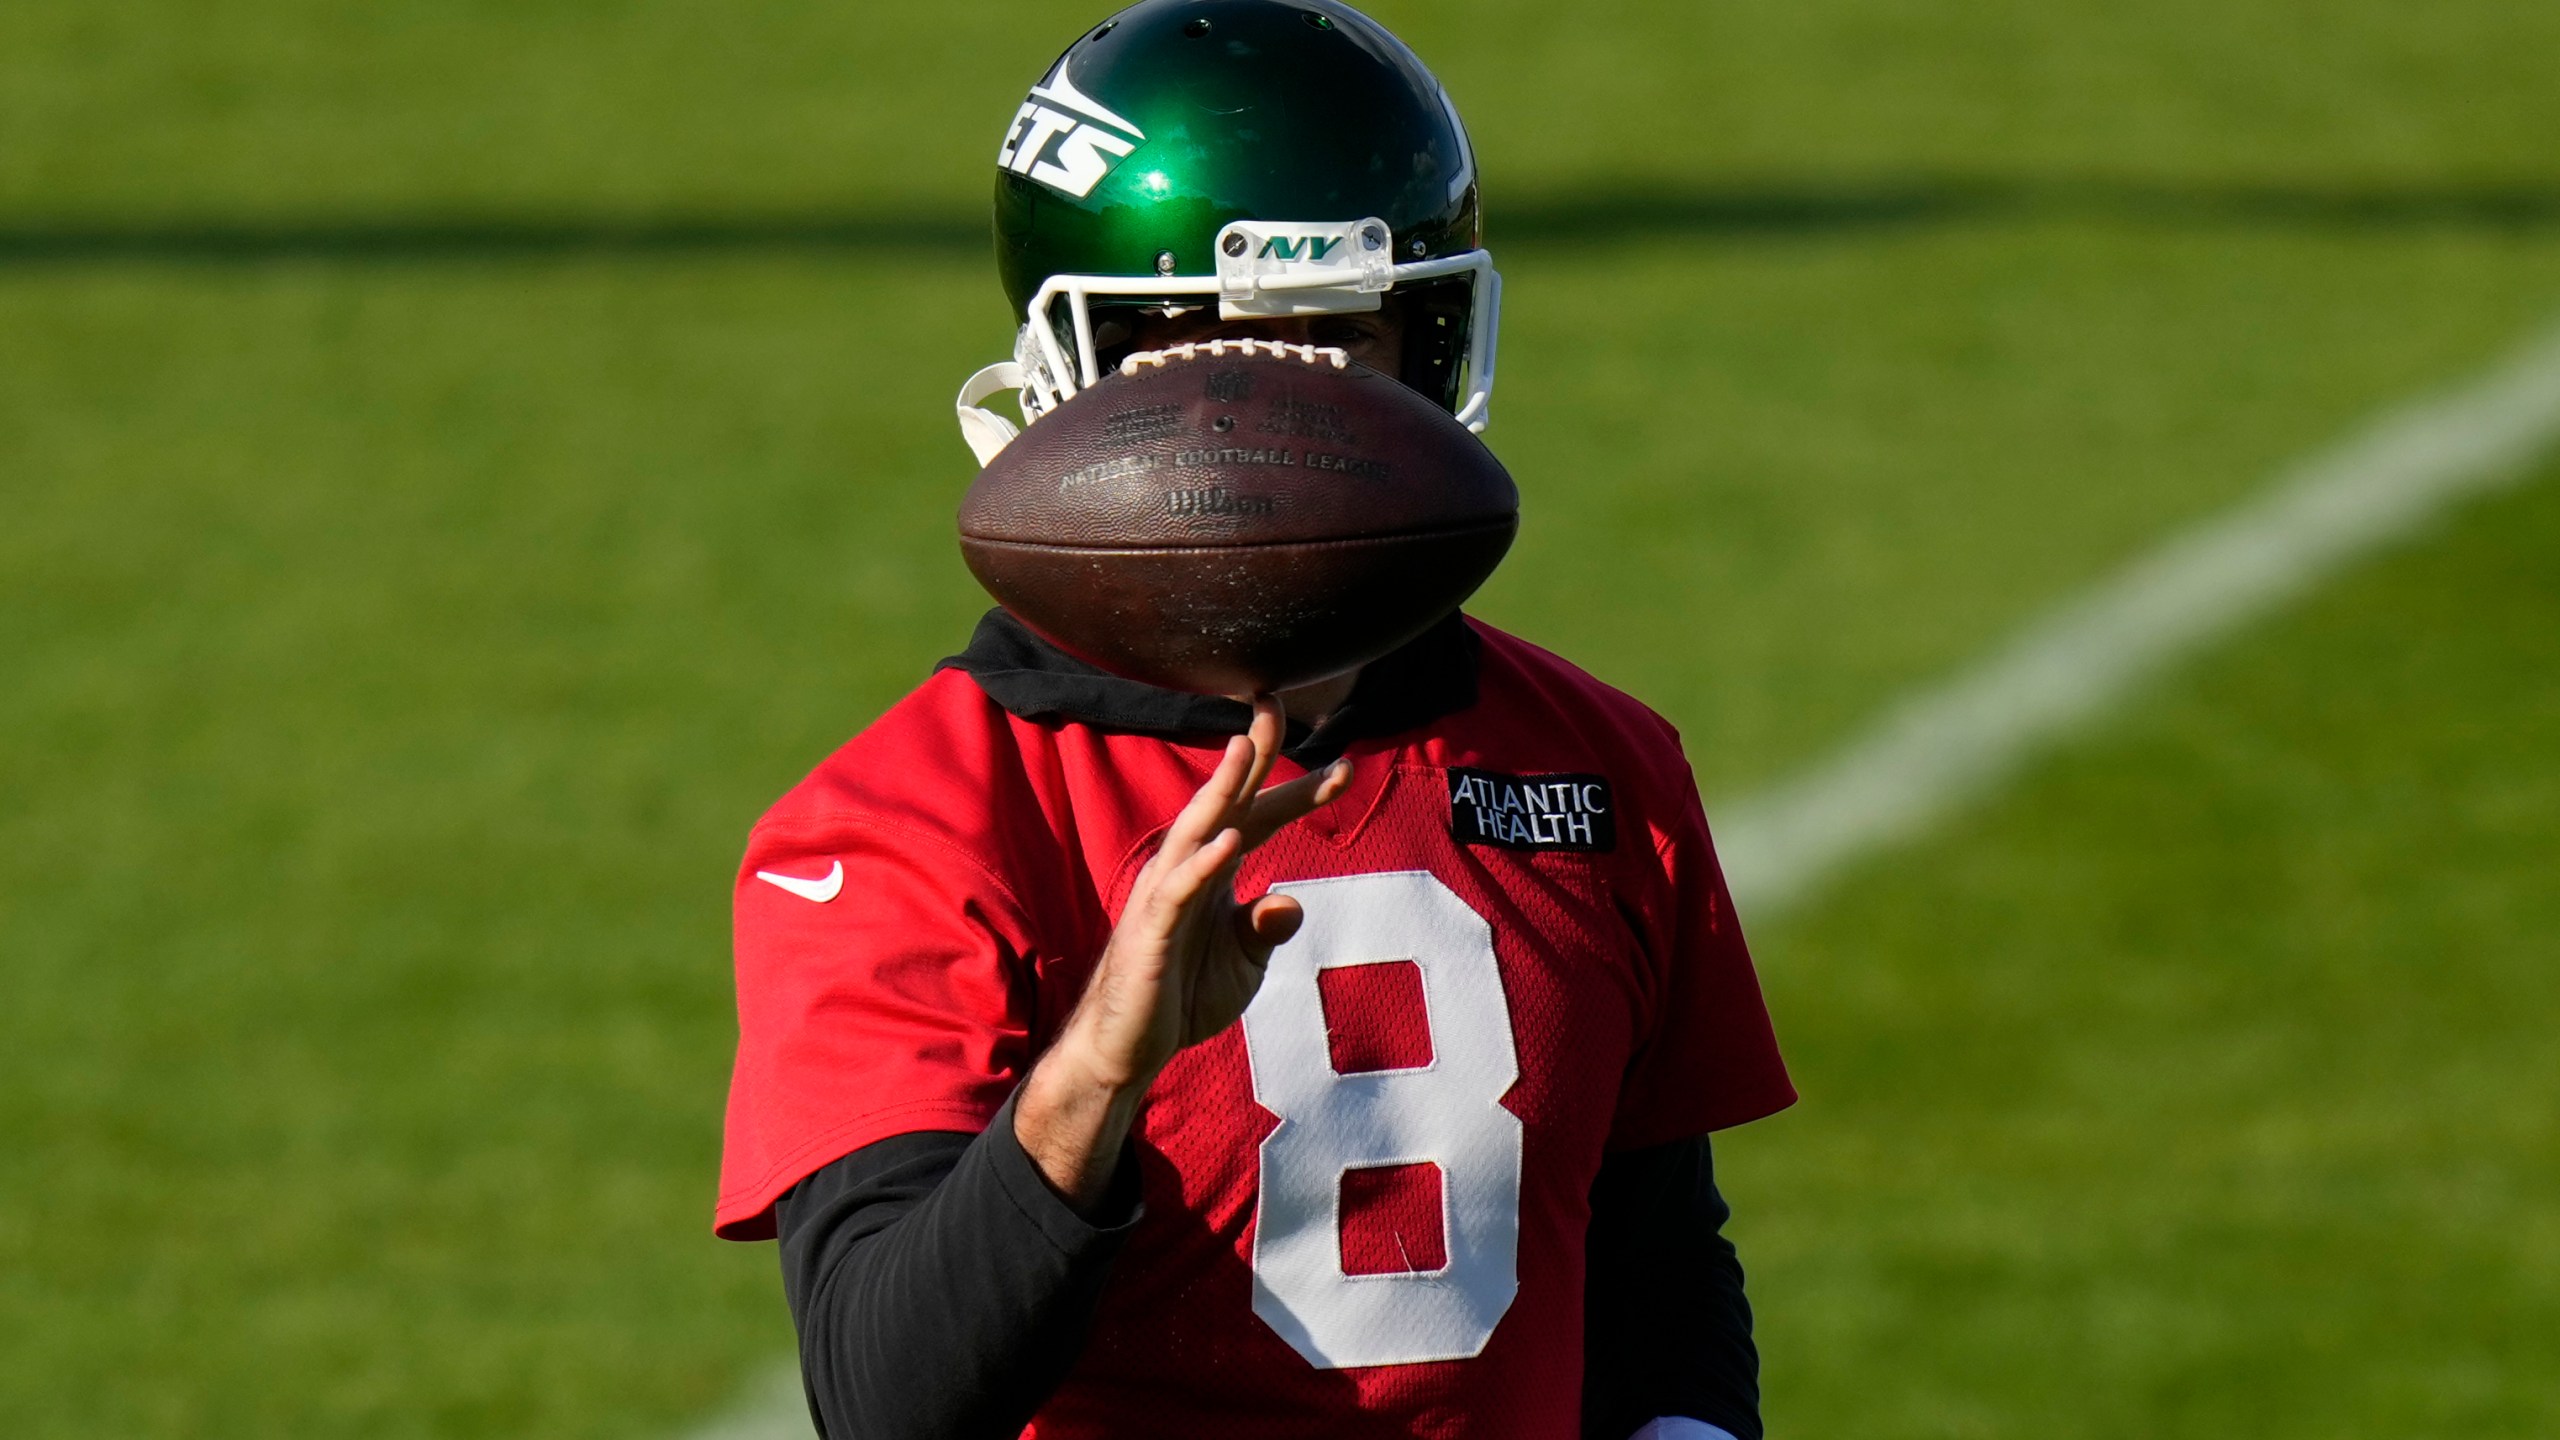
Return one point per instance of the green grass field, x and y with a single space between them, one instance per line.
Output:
459 462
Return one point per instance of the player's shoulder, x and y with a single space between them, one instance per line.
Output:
1539 712
1515 675
945 761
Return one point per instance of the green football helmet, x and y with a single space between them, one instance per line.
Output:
1273 157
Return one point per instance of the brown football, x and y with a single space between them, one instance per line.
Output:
1234 521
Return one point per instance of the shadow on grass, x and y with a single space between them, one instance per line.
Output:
1743 211
1737 212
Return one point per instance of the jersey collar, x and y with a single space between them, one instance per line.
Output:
1432 675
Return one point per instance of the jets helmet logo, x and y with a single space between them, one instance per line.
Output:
1312 248
1065 139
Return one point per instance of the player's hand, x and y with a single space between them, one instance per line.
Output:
1180 966
1187 956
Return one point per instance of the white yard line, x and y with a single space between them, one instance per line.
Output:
1948 746
771 1408
1942 749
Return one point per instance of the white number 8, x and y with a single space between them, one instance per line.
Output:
1447 1112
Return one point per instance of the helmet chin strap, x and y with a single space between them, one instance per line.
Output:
986 431
1036 391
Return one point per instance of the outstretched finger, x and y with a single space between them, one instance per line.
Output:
1270 727
1207 810
1211 867
1180 881
1294 800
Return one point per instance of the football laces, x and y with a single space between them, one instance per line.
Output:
1219 349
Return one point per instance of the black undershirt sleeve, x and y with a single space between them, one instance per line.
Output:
940 1287
1666 1330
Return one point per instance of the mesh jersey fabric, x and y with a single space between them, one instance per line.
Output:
983 859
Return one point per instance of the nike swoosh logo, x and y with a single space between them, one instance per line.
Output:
821 891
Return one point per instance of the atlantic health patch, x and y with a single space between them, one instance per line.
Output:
1531 812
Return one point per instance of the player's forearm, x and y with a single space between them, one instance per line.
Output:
1072 1117
941 1290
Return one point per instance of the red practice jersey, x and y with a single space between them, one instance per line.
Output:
1366 1202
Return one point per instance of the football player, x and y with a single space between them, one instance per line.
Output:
1118 1062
